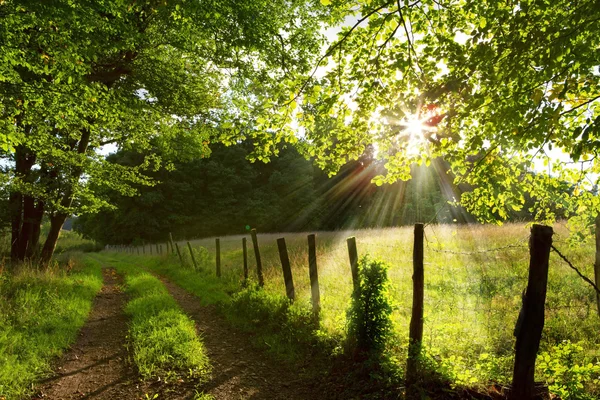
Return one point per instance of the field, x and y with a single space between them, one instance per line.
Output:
474 278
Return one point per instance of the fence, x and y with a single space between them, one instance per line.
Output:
528 327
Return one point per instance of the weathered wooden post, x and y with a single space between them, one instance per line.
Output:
287 270
531 320
597 263
353 256
416 319
179 254
192 255
171 240
245 252
314 276
261 281
218 245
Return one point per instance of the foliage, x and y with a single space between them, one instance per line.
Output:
40 315
75 79
162 338
566 377
495 84
369 319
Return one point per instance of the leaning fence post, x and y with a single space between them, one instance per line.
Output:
287 270
531 319
245 252
218 245
192 255
353 255
314 276
171 240
179 254
416 319
261 280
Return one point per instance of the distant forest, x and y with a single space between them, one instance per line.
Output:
227 194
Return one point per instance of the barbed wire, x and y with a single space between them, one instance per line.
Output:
585 278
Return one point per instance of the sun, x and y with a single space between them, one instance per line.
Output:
413 126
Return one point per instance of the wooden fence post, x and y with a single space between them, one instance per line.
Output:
597 263
179 254
287 270
313 272
353 255
171 240
218 245
245 252
261 281
531 319
192 255
416 319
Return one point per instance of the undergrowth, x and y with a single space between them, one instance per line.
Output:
40 315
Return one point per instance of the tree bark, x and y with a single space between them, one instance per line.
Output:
16 204
36 228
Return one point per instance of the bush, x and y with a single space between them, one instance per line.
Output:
369 317
566 377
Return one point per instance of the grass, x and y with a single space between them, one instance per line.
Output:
474 279
40 314
162 338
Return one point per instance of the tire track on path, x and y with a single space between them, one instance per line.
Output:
239 370
95 367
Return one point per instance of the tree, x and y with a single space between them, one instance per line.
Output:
171 74
486 86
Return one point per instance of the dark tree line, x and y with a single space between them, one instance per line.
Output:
227 194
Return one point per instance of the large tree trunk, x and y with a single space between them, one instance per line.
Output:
57 220
26 227
56 223
36 228
16 204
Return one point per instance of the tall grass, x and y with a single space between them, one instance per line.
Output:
40 314
474 278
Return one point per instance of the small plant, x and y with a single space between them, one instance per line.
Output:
370 324
567 378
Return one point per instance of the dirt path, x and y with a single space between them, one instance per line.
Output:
239 370
95 367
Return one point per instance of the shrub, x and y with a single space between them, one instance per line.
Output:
370 324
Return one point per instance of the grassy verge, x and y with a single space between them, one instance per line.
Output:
163 339
40 315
